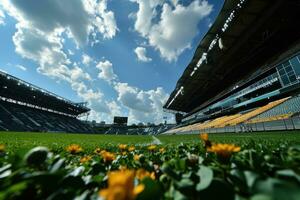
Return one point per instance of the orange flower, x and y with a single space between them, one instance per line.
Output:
85 159
97 151
131 148
137 157
224 150
204 137
107 156
122 147
74 148
121 186
142 173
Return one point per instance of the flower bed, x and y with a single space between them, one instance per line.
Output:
201 170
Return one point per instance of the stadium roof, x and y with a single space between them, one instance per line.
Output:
245 35
22 91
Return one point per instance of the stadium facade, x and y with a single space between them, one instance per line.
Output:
245 72
26 107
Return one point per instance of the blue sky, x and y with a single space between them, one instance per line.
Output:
123 57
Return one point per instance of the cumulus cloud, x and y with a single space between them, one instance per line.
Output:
145 15
106 71
78 18
104 20
70 52
40 28
86 59
21 67
39 31
49 15
141 54
2 17
143 106
176 26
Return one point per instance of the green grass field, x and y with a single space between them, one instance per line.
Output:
244 166
292 137
55 141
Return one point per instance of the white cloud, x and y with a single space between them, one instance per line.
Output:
70 52
145 15
86 59
76 73
52 15
176 27
21 67
39 37
143 106
46 50
114 108
141 54
104 20
1 70
78 18
106 71
2 17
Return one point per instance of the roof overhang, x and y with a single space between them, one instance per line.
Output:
18 90
243 37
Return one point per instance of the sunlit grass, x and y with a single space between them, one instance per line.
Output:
56 141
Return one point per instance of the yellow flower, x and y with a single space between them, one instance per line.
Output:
122 147
97 151
74 148
121 186
131 148
107 156
102 152
162 150
142 173
85 159
137 157
152 147
2 148
204 137
224 150
124 153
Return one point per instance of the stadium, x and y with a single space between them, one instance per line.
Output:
25 107
236 107
218 91
242 79
28 108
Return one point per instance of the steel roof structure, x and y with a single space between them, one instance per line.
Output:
246 35
15 89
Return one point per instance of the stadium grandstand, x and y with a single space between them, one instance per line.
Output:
122 128
139 130
25 107
245 73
